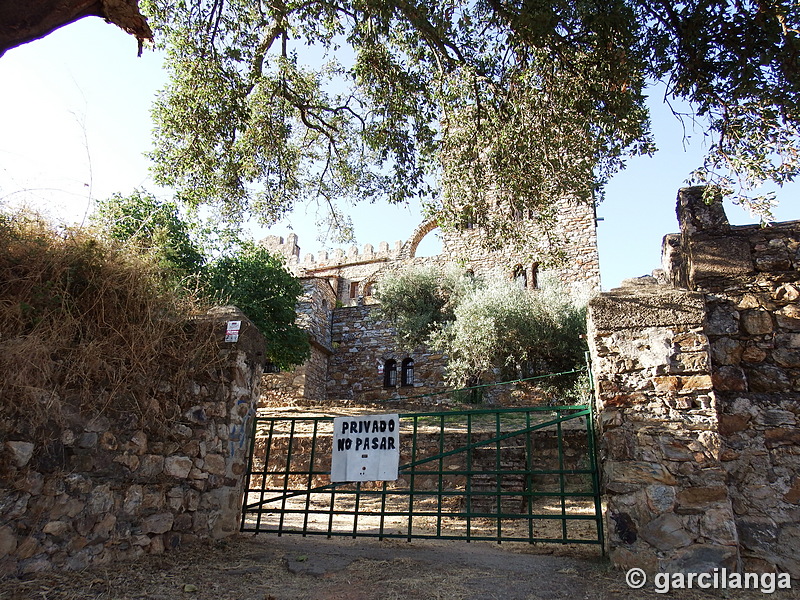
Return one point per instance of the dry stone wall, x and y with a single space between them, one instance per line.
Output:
699 383
105 489
363 343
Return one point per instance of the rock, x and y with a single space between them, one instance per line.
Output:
158 523
666 532
150 466
8 541
178 466
757 322
767 378
57 528
660 498
758 534
214 464
638 472
729 379
21 452
702 559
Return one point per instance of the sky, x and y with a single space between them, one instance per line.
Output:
75 124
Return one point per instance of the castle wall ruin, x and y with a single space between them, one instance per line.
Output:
353 345
698 387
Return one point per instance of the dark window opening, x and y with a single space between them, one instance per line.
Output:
354 289
369 289
407 375
390 373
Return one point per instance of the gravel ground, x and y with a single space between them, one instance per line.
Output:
295 568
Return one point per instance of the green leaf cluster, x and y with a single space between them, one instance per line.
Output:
242 273
487 327
458 102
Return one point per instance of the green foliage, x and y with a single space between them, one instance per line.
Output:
258 284
419 301
484 326
274 103
245 275
501 326
150 226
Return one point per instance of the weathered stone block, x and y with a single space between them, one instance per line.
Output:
757 322
702 559
767 378
626 309
723 320
666 533
178 466
718 257
730 424
788 317
696 500
637 473
21 452
729 379
758 534
8 541
158 523
726 351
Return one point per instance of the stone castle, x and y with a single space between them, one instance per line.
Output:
354 356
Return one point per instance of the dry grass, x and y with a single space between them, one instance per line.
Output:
88 328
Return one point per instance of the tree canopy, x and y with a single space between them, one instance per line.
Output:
272 103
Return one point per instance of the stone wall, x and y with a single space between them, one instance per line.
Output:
668 507
350 362
737 394
105 489
362 344
306 383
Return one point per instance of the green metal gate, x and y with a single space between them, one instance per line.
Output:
515 474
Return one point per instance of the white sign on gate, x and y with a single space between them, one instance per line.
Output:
366 448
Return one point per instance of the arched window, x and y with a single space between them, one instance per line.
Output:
520 277
369 289
390 373
407 373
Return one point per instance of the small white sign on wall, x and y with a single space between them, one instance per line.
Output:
232 331
366 448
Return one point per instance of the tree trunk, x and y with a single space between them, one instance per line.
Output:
23 21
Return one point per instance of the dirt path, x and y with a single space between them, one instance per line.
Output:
296 568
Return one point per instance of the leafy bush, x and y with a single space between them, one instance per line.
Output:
245 275
484 326
151 226
258 284
419 301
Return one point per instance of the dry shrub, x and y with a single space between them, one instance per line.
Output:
87 328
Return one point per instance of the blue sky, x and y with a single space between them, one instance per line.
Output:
75 122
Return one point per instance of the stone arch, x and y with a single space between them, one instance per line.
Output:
410 248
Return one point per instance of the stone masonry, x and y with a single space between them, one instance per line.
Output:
106 490
698 383
349 346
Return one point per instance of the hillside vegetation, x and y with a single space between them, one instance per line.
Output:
87 327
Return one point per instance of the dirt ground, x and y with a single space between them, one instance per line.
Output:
296 568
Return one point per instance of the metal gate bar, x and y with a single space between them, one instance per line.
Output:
484 474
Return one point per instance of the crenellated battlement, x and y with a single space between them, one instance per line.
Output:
324 259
